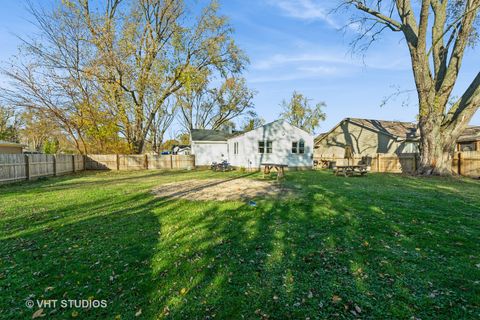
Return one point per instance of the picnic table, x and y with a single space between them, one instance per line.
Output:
350 170
279 167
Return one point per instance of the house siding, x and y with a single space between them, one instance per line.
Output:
282 134
207 152
364 142
10 150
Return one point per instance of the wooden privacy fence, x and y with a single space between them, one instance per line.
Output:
464 163
15 167
138 162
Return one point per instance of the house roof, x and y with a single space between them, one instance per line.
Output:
396 129
402 130
209 135
10 144
471 133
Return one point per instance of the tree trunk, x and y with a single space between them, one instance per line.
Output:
137 146
436 148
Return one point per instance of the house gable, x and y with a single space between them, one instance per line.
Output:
364 140
244 149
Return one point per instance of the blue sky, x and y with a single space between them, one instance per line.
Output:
298 45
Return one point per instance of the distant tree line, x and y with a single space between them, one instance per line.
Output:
112 76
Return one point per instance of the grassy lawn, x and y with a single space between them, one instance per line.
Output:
380 247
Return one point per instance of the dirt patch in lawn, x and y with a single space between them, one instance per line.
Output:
221 189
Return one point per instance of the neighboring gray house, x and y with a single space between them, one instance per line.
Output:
367 137
181 149
469 140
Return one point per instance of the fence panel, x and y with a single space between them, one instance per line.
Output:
12 167
183 162
101 162
64 164
79 162
470 163
160 162
467 162
40 165
131 162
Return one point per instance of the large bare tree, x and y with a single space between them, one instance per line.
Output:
437 34
105 70
212 108
150 49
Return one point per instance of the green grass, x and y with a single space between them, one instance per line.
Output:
383 247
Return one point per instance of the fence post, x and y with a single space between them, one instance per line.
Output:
73 163
378 162
459 164
171 161
414 162
118 161
146 161
54 165
27 167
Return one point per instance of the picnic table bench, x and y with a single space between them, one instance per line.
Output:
267 167
350 170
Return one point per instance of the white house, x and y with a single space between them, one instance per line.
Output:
277 142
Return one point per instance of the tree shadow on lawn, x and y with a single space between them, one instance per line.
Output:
87 254
84 179
324 255
335 251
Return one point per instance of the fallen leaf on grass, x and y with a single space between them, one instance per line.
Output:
138 313
336 299
38 314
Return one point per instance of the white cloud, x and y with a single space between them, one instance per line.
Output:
305 10
282 59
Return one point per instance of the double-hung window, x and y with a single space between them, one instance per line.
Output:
269 146
265 146
301 146
298 147
261 146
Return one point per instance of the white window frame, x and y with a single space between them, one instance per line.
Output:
261 147
294 149
301 146
267 148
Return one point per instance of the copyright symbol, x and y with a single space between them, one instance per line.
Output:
30 304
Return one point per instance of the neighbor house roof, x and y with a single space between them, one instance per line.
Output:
10 144
396 129
402 130
471 133
209 135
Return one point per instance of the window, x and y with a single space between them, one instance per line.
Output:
261 147
294 147
467 146
301 146
235 148
265 146
269 146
